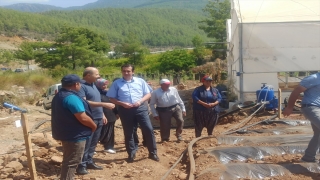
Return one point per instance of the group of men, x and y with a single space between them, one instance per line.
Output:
77 116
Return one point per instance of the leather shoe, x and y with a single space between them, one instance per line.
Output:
82 171
94 166
131 158
154 157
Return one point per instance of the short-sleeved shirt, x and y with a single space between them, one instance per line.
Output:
74 104
128 91
312 94
91 93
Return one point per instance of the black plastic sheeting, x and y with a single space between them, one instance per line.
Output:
277 139
261 171
279 130
229 154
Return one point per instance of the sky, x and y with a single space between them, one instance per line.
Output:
60 3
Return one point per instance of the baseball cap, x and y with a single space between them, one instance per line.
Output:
207 78
71 78
165 81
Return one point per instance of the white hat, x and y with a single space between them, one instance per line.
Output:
164 81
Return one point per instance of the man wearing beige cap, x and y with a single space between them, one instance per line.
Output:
168 103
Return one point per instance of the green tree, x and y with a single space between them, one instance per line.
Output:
199 49
26 52
215 26
73 47
133 50
176 61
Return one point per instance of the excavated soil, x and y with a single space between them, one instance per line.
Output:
48 155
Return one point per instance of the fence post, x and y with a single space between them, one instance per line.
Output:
27 140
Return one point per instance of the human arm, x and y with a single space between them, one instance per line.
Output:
180 102
146 90
76 107
195 97
219 98
120 103
292 99
143 99
84 119
153 102
101 104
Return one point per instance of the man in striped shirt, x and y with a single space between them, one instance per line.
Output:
168 104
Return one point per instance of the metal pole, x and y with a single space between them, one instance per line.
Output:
241 62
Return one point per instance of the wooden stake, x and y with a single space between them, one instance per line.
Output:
279 104
27 140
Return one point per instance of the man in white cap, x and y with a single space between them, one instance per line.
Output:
168 104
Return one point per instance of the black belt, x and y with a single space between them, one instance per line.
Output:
308 105
166 108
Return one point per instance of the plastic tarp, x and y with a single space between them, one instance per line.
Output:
261 171
270 39
278 139
225 155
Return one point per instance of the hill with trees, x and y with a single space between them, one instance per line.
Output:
30 7
174 4
153 26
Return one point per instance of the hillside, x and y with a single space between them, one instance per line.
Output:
31 7
155 27
175 4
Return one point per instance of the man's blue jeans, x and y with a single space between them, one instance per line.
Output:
312 113
91 145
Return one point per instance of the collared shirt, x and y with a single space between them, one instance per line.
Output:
312 94
128 91
165 99
91 93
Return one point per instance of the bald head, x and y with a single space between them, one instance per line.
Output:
91 74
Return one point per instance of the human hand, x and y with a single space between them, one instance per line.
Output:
93 129
109 105
137 104
105 120
127 105
184 113
206 105
212 104
287 111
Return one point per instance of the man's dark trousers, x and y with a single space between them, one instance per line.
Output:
91 145
129 119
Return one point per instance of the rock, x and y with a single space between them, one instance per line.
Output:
23 158
198 155
6 170
56 160
1 167
1 162
183 176
17 166
136 171
260 162
40 152
124 164
146 171
264 127
53 150
40 141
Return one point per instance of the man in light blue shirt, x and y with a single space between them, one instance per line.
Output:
310 104
130 93
169 104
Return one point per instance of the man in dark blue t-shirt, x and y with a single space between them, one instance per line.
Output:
71 123
90 93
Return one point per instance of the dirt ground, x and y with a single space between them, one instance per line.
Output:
48 154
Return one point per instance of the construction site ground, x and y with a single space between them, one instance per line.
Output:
48 154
